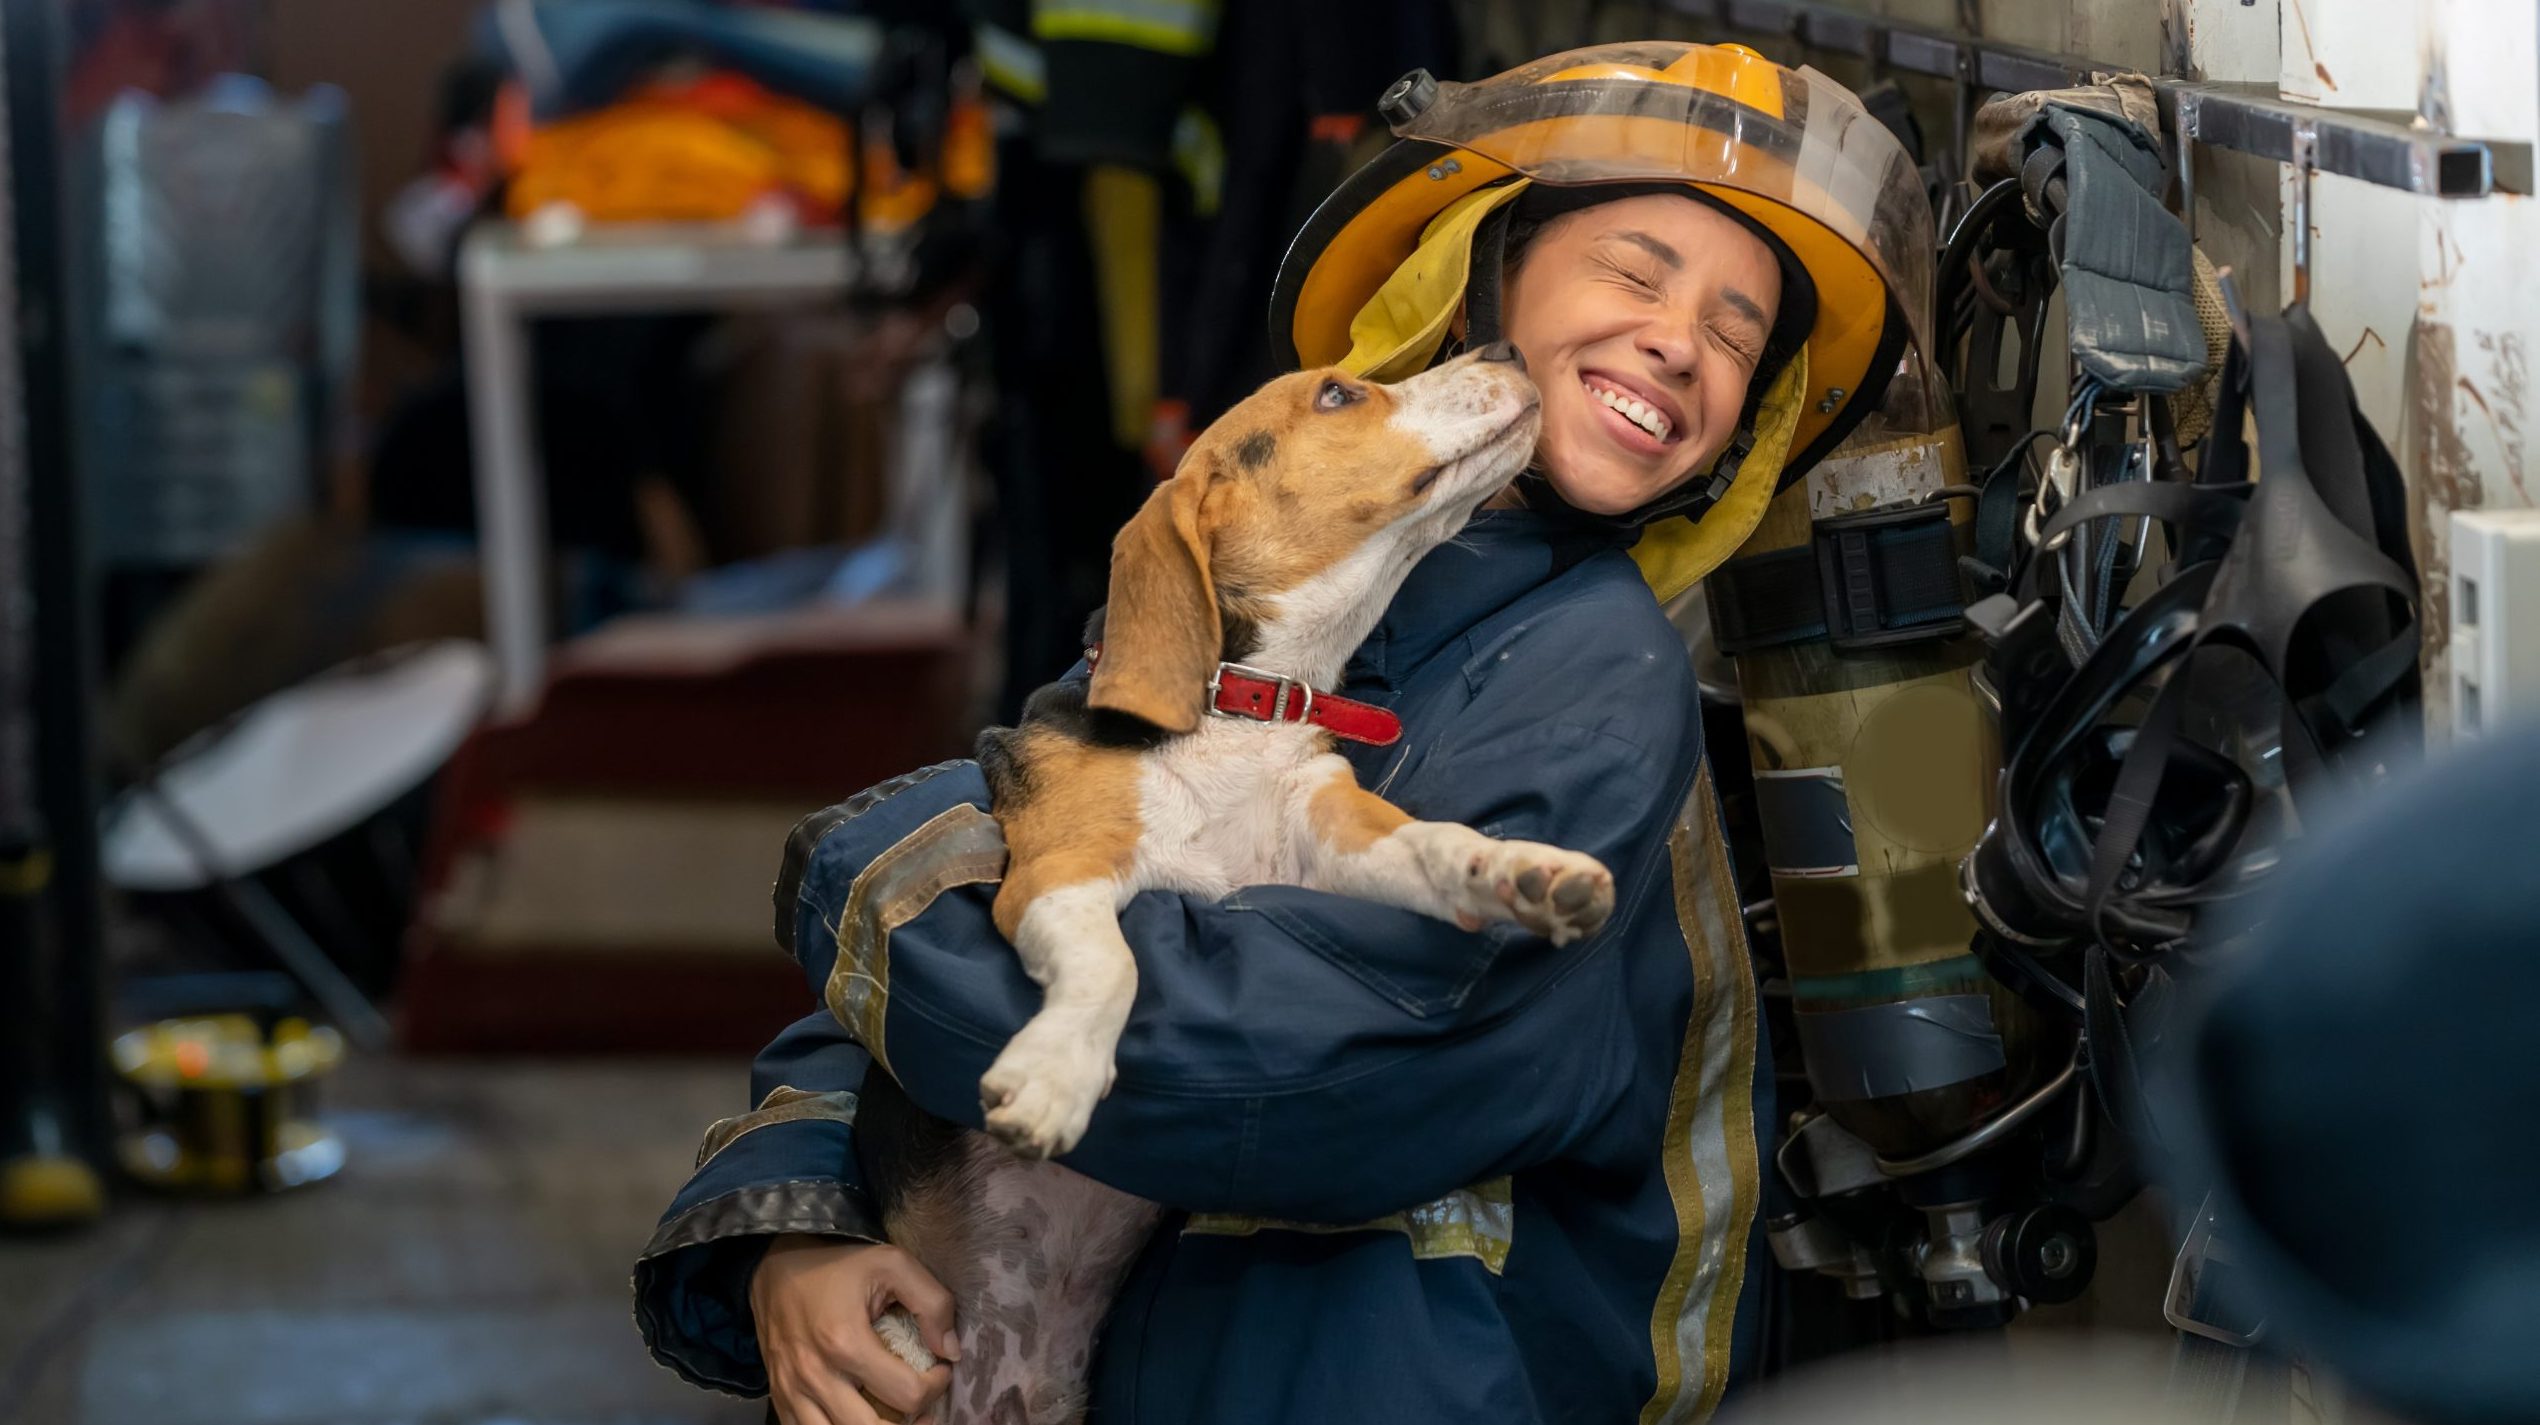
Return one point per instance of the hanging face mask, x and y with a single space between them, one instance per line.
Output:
2115 833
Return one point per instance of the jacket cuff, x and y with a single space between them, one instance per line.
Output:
692 1283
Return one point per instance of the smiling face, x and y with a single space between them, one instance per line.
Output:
1643 321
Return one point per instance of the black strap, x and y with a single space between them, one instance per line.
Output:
2113 1072
1864 581
2341 707
2130 801
2181 507
2225 458
1482 284
1997 535
1767 600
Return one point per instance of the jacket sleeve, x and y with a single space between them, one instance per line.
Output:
1294 1054
787 1166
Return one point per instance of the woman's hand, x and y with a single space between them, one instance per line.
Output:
816 1299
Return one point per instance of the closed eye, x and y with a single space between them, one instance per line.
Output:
1640 280
1745 345
1335 395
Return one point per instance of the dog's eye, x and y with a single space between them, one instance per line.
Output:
1334 395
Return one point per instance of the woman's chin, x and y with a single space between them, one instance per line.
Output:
1595 480
1604 492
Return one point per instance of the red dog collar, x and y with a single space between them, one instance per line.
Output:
1259 695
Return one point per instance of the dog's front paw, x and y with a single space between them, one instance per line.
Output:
1560 895
1040 1093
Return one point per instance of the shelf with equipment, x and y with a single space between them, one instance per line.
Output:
2374 147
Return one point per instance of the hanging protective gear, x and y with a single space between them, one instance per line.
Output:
1375 281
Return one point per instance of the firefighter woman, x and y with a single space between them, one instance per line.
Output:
1418 1173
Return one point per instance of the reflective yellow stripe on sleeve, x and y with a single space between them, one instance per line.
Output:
1478 1222
782 1105
961 846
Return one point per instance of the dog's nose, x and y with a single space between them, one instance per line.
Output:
1502 351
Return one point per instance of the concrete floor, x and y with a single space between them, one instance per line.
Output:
469 1267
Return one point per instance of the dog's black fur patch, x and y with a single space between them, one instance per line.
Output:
1236 631
1255 450
900 1146
1060 707
1008 773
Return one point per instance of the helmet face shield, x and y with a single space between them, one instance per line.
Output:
1720 117
1384 264
1790 150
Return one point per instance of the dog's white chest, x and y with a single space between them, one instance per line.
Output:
1214 808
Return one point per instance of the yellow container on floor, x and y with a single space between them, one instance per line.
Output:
225 1109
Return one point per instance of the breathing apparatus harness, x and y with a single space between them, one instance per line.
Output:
2112 836
2167 704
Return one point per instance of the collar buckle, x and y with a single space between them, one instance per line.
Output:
1286 688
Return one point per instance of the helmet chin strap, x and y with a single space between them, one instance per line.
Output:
1691 498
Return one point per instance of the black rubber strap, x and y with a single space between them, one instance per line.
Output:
1767 600
2183 508
1482 285
1997 535
2129 809
2343 704
2275 400
1863 581
2114 1075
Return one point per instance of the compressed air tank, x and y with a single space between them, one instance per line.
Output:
1873 760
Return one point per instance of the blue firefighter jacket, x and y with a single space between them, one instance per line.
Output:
1423 1174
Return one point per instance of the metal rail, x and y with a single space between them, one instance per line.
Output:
2378 148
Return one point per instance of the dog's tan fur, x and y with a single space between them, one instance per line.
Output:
1349 818
1077 822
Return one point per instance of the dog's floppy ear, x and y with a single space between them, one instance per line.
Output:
1161 640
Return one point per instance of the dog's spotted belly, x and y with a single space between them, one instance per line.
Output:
1033 1255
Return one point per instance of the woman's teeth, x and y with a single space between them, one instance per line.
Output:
1631 410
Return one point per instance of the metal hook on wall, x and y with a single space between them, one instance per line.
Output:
2305 150
2183 149
1962 126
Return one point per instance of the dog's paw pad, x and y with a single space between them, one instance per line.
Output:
1562 895
1040 1105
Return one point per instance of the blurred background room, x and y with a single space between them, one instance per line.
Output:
487 468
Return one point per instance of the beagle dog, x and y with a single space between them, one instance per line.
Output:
1199 758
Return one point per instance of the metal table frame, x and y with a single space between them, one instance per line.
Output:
504 283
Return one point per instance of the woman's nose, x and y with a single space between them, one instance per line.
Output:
1674 344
